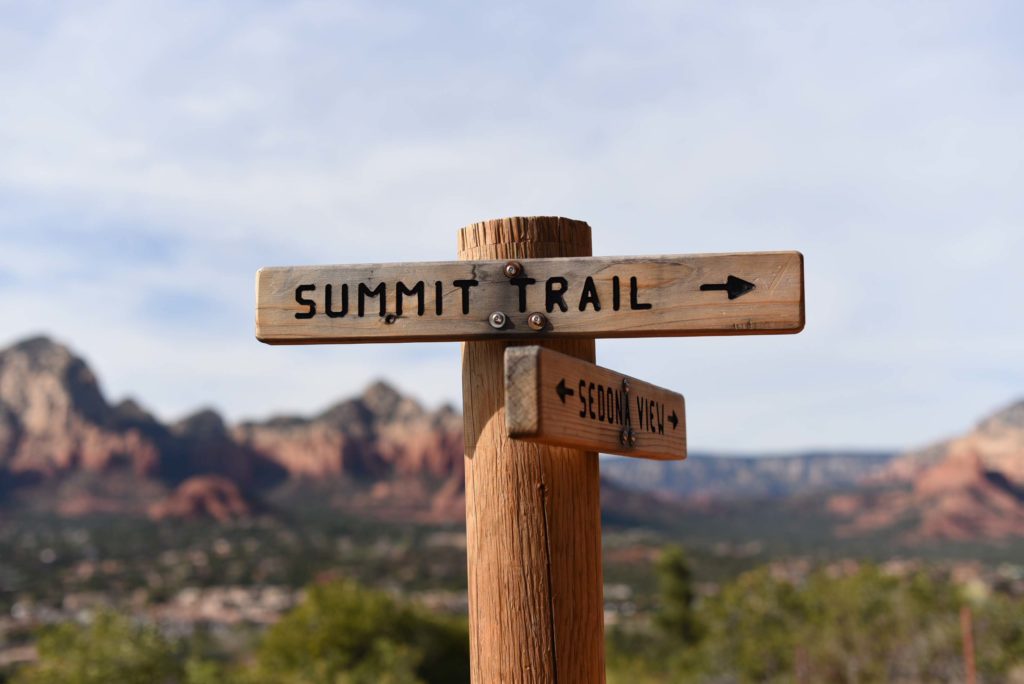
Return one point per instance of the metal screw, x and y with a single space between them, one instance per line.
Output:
390 318
632 438
537 320
498 319
625 385
624 437
512 269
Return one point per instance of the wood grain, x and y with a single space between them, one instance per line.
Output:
533 518
556 399
603 297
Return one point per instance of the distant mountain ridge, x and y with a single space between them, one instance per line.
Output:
64 448
705 477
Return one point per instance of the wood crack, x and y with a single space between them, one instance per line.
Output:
551 591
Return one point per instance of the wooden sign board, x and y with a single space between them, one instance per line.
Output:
591 297
564 401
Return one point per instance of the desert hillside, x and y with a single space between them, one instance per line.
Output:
968 488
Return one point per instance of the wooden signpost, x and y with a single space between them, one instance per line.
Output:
556 399
535 416
592 297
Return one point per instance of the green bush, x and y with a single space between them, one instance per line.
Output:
112 648
862 626
340 634
343 634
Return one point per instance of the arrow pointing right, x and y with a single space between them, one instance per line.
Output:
736 287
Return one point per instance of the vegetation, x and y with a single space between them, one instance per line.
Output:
343 633
857 626
675 616
340 634
677 622
111 649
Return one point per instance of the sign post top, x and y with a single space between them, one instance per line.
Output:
525 236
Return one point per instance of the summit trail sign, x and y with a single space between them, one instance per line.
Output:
533 516
589 297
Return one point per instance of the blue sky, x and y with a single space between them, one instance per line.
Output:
153 155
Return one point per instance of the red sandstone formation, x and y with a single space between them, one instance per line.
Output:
55 424
208 496
966 489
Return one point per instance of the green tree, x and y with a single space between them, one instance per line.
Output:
999 636
753 627
868 626
666 649
676 616
344 634
112 648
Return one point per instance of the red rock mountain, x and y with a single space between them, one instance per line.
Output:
377 435
54 418
965 489
203 496
57 428
65 449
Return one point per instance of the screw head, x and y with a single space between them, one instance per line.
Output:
625 384
512 269
632 438
498 319
537 320
624 437
390 318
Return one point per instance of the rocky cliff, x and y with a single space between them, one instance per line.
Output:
969 488
53 416
380 434
57 428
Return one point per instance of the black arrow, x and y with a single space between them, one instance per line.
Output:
674 419
736 287
563 391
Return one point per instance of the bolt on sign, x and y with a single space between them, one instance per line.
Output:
534 418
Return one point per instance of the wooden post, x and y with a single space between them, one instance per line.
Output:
533 518
967 634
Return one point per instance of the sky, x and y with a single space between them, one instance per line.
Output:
154 155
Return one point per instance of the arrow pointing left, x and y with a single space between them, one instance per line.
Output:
563 391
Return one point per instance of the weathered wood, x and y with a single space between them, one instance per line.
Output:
560 400
533 518
593 297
